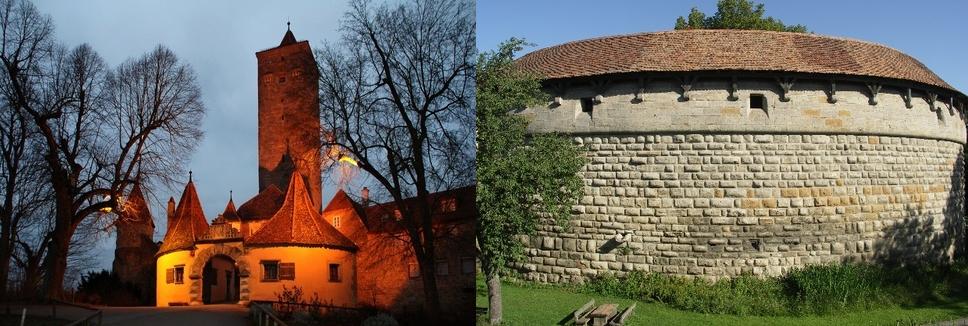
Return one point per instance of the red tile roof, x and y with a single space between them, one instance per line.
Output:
288 38
190 223
726 50
136 209
297 223
229 213
263 205
381 218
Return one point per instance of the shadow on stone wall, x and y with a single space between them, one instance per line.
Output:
917 239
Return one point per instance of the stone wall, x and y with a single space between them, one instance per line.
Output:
710 187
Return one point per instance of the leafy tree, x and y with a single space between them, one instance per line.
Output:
736 14
523 180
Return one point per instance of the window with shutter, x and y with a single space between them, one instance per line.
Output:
179 274
270 271
170 275
287 271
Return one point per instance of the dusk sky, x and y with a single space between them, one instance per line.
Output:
931 31
219 39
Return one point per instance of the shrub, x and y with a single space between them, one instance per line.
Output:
820 289
105 288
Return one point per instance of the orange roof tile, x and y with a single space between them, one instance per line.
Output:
297 223
263 205
381 218
229 213
190 223
726 50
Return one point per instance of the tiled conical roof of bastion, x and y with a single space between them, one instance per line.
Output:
136 209
189 222
298 224
726 50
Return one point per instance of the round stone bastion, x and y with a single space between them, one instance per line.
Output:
715 153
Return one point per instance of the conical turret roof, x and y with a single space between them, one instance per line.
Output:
297 223
230 214
189 222
136 208
288 38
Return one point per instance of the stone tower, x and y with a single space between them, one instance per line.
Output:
289 132
134 252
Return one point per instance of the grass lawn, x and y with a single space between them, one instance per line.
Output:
549 306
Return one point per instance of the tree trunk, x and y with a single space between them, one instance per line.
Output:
55 262
6 250
431 298
495 311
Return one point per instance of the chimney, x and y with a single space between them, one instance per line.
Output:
171 211
365 195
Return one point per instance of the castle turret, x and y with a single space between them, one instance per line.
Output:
289 128
188 223
171 213
134 248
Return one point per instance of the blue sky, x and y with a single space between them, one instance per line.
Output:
933 32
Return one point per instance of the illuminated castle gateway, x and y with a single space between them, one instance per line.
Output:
714 153
349 254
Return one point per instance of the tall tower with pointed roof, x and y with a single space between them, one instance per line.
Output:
289 129
134 248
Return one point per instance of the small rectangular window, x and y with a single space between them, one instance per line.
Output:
270 271
467 265
334 273
448 205
757 101
179 274
442 268
287 271
336 222
414 270
587 105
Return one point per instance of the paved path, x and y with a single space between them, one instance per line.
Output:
207 315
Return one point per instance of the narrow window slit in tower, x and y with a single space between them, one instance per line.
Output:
757 101
587 105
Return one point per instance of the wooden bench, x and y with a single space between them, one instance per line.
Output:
622 317
580 316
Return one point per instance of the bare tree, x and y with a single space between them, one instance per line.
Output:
20 196
397 97
99 129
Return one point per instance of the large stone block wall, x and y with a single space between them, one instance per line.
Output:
722 205
712 188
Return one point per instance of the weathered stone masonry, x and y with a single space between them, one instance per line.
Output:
686 176
721 205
